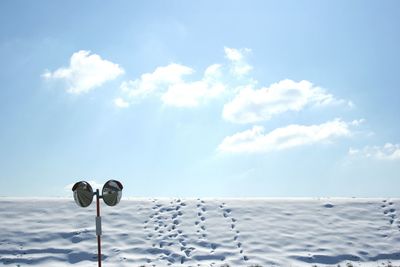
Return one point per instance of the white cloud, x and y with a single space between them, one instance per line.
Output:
157 80
239 66
358 122
256 141
254 105
192 94
173 85
85 72
386 152
121 103
234 54
168 83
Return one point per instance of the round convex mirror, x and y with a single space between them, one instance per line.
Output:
112 192
83 193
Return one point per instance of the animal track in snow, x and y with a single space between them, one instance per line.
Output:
164 223
227 213
201 219
201 223
389 211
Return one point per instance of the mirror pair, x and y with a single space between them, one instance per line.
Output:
111 193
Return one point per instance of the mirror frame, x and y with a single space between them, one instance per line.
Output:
77 196
119 192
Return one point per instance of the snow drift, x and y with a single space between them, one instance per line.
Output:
202 232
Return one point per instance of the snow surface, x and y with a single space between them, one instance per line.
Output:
202 232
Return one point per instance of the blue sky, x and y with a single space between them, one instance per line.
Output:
205 98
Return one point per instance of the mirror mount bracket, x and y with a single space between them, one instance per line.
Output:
97 194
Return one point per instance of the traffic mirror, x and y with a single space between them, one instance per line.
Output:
112 192
83 193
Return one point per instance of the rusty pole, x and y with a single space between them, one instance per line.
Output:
98 228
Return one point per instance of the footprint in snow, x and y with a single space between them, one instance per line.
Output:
227 213
389 211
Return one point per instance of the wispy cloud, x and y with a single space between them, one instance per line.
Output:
85 72
239 66
386 152
156 81
192 94
169 84
121 103
254 105
174 86
255 140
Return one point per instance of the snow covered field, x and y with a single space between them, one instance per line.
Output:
203 232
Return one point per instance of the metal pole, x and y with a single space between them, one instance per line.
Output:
98 228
